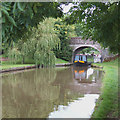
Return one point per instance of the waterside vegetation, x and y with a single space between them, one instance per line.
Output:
107 105
7 65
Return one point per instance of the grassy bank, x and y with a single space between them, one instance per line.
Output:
8 65
107 105
58 61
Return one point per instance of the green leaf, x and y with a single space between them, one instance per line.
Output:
35 8
12 21
19 7
14 8
7 8
5 12
30 11
3 19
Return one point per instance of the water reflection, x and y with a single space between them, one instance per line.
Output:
39 93
86 75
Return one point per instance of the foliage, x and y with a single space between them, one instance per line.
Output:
18 17
79 29
89 50
71 31
40 44
107 105
100 21
59 61
14 54
64 33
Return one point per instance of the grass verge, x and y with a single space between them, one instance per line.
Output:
14 66
58 61
107 105
8 65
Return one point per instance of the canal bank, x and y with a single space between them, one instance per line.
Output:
31 67
6 66
107 105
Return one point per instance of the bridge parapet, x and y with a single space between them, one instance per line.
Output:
79 40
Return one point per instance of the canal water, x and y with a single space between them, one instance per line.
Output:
69 92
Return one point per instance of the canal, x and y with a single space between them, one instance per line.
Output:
65 92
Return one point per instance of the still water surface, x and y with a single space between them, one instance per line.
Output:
51 93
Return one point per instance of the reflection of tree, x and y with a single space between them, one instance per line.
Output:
64 79
29 94
36 93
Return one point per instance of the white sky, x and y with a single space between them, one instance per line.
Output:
66 7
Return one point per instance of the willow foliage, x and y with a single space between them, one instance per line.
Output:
14 54
40 44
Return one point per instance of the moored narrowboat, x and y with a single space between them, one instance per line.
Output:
80 60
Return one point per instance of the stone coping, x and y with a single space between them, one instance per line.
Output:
17 69
63 64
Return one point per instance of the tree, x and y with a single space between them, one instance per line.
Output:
100 21
64 33
19 17
39 46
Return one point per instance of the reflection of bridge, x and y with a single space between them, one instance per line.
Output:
78 44
85 88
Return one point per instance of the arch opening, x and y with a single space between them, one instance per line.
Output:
80 48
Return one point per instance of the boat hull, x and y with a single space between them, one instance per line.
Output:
81 64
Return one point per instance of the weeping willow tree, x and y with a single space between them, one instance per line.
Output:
39 45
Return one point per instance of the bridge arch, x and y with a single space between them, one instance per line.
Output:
81 47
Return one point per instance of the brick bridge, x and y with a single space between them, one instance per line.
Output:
78 44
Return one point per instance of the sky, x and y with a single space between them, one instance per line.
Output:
66 7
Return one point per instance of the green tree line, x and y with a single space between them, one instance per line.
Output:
98 20
19 17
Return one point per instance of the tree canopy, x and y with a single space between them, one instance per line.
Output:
18 17
100 20
39 45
